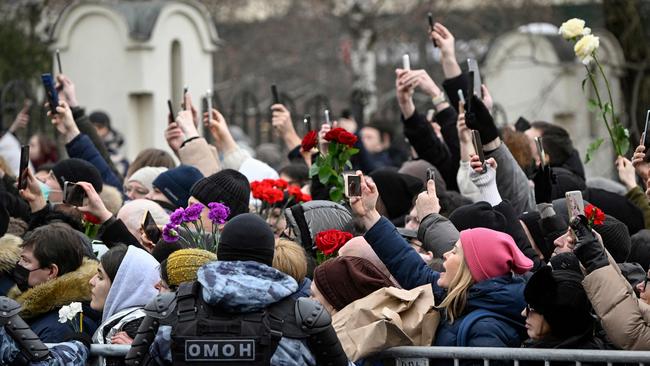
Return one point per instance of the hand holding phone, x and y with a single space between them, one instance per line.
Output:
574 203
431 174
352 185
150 228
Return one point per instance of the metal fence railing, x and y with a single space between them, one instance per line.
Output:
421 356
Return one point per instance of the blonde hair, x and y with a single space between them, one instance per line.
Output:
456 299
290 258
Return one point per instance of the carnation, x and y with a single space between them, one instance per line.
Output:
218 213
193 212
176 218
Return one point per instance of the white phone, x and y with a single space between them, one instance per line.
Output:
406 62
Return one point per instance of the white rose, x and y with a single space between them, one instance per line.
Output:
586 47
64 312
75 308
572 28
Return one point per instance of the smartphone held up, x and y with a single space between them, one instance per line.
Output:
352 183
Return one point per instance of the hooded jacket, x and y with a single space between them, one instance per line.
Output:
502 295
41 304
237 286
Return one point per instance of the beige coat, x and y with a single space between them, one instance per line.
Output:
625 318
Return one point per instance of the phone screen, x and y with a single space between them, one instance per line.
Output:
24 165
150 228
73 194
574 203
352 185
50 91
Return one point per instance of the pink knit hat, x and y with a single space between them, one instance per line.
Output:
490 253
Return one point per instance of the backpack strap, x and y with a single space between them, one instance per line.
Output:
186 309
285 310
473 317
305 236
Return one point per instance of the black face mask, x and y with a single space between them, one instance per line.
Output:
21 277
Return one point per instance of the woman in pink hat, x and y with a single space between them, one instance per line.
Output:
479 295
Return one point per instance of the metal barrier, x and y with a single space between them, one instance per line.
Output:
419 356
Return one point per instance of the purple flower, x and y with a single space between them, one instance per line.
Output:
170 234
218 212
176 218
193 212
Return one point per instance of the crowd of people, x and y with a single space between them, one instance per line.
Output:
481 252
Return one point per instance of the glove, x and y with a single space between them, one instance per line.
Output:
79 337
480 119
544 180
588 250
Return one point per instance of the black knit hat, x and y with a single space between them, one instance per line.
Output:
479 214
77 170
100 118
396 191
247 237
176 183
616 238
558 295
228 186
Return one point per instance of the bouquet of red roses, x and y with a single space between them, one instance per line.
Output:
329 166
275 193
329 242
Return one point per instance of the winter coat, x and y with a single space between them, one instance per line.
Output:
82 147
502 295
200 154
242 287
72 353
586 340
41 304
9 256
625 318
430 148
638 197
512 181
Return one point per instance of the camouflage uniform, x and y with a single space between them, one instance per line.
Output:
62 354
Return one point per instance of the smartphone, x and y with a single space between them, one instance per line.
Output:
327 117
171 111
478 146
470 92
208 100
307 121
574 204
540 151
430 114
73 194
472 65
406 62
352 185
58 61
431 174
50 91
430 16
150 228
24 165
274 93
646 138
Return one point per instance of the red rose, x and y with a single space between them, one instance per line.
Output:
330 241
91 219
295 192
595 215
341 136
309 141
281 183
272 195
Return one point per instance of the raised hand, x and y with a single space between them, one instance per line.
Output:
427 201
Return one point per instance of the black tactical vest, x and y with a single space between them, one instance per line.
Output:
204 334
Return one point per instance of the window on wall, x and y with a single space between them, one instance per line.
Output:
176 78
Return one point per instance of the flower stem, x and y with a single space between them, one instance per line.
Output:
611 103
600 105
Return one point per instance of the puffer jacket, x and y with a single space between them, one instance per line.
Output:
41 304
625 318
501 295
242 287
